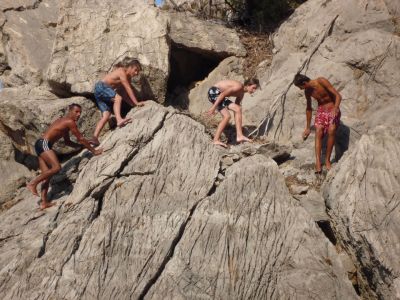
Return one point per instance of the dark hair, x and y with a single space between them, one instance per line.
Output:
71 106
300 79
129 62
252 81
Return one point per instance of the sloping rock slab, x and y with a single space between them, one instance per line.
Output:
251 240
129 204
362 196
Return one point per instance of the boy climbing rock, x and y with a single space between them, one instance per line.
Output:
218 95
107 99
48 161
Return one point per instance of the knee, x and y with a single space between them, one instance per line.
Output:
55 169
332 132
117 98
227 117
319 133
236 108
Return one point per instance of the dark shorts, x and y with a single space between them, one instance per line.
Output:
213 94
104 95
42 145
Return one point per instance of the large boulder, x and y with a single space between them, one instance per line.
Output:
250 240
13 176
147 221
362 196
119 31
205 37
86 47
352 44
29 31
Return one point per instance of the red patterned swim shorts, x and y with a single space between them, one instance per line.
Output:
325 117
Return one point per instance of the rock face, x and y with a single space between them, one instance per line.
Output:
364 70
362 196
85 47
117 32
29 30
146 220
193 33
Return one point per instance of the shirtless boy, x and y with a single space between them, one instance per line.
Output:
328 114
107 99
218 95
48 162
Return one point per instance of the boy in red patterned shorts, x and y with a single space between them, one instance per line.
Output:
328 114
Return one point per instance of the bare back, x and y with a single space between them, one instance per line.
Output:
58 129
234 88
114 78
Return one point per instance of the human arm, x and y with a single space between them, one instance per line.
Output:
327 85
75 131
70 143
127 85
307 130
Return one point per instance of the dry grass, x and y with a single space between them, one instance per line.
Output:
259 49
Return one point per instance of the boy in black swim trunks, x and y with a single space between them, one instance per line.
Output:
218 95
48 162
107 97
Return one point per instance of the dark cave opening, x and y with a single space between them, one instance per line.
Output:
187 66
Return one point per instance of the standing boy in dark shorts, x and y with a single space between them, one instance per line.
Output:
328 114
218 94
48 162
107 99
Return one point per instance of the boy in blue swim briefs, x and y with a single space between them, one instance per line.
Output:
107 99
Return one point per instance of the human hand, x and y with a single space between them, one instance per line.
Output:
335 111
211 111
306 133
140 104
98 151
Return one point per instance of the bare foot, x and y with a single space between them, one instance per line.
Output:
32 188
328 165
45 205
219 143
94 141
123 122
243 139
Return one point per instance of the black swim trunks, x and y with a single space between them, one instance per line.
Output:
213 94
42 145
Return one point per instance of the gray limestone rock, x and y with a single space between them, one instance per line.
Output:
362 196
92 37
144 220
351 43
13 176
250 240
29 31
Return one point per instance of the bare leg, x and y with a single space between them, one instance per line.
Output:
106 116
329 146
121 122
226 116
50 159
238 123
319 133
45 186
